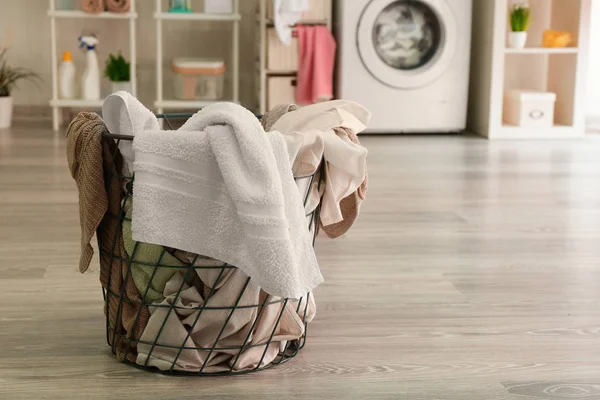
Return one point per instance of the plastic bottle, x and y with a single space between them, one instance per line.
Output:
90 80
66 76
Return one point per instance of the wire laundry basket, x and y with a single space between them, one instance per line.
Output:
118 302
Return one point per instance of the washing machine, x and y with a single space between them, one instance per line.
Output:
407 61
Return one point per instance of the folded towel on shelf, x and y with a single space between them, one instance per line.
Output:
92 6
125 115
285 14
90 159
315 66
118 6
223 188
345 168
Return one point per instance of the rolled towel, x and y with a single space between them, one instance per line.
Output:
118 6
92 6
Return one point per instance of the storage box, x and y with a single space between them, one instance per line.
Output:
279 56
281 90
218 6
529 109
198 78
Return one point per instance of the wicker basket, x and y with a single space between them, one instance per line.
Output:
126 342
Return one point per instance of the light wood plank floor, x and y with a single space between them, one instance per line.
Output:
473 273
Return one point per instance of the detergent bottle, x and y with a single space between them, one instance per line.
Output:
66 76
90 80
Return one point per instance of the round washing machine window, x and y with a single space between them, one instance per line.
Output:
407 43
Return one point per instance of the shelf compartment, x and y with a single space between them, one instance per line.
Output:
543 50
197 16
556 132
83 15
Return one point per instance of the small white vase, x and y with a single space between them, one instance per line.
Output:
118 86
517 40
6 110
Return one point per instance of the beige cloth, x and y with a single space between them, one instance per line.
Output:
209 327
321 130
118 6
90 158
92 6
350 205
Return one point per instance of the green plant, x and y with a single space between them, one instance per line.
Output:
117 68
10 76
519 18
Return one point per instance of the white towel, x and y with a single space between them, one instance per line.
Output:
285 14
223 188
310 135
124 114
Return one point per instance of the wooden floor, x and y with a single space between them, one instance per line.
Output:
473 273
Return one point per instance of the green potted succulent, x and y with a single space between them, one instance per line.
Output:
519 23
118 72
9 78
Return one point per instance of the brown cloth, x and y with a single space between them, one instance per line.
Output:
349 205
92 6
91 158
118 6
270 117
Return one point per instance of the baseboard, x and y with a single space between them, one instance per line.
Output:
32 113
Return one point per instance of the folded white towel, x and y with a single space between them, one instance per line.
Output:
222 187
124 114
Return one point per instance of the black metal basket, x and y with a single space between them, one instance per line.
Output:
113 334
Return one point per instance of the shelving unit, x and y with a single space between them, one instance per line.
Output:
55 14
496 68
282 77
161 103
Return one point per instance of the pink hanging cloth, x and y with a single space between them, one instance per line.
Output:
315 67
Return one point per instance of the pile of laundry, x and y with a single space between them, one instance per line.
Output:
206 257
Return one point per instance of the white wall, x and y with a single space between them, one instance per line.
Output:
593 89
31 44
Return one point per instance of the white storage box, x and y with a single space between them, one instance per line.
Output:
218 6
279 56
281 90
529 109
198 78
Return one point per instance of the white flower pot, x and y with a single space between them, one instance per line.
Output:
6 110
118 86
516 40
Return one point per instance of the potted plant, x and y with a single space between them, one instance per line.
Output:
519 23
118 72
9 77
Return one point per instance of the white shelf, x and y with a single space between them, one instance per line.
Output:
77 103
543 50
555 132
82 14
185 103
197 16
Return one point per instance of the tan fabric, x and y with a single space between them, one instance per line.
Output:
84 155
210 325
92 6
90 159
270 117
350 205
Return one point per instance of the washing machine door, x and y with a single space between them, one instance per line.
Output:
407 44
